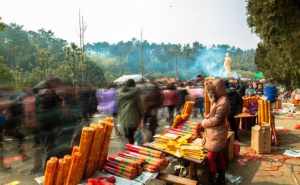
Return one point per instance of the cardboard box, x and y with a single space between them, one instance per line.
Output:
261 139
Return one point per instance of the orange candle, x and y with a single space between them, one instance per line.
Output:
86 140
73 178
95 151
68 160
103 155
60 172
50 172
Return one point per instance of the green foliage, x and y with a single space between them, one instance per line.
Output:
277 23
5 73
160 59
2 25
34 56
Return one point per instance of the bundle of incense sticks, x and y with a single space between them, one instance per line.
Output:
68 160
86 158
264 111
60 172
154 164
144 150
72 178
207 103
50 172
95 151
185 114
133 160
86 140
188 108
123 167
108 125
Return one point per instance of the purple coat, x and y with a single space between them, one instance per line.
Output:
107 101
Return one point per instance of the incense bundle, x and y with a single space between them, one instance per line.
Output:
151 168
75 149
73 175
122 160
137 160
60 172
123 166
144 150
119 173
50 172
131 169
259 112
95 150
188 108
265 108
147 159
262 108
268 108
103 155
68 160
206 100
178 119
86 140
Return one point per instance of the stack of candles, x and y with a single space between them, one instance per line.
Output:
133 160
123 167
85 159
264 111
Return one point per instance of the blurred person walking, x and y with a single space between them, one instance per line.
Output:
130 110
170 101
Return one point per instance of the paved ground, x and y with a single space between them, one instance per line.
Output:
271 169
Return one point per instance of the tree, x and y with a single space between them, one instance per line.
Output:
2 25
5 74
277 23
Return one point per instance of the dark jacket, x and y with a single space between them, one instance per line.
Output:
235 101
130 107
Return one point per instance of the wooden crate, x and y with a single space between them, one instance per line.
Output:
261 139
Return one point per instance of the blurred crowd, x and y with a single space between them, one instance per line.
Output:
52 113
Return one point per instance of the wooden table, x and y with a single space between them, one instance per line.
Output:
242 116
192 162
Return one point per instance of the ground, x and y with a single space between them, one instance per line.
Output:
273 169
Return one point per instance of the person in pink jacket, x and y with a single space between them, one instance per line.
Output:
215 130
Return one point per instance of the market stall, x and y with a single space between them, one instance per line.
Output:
181 141
89 163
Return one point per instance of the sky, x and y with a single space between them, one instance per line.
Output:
176 21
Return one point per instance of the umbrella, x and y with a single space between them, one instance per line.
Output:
124 78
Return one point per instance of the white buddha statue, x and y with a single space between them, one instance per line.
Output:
227 65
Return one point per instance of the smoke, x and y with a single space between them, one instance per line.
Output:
210 62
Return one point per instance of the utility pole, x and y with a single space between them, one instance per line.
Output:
82 29
142 56
176 67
